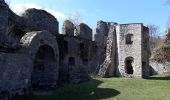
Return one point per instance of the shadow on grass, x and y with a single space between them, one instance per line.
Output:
84 91
164 77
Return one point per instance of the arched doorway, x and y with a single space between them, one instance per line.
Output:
129 65
44 74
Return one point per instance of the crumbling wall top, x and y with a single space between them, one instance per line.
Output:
38 20
84 31
68 28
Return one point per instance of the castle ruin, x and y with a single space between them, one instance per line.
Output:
127 52
34 55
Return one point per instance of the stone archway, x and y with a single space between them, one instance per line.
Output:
43 75
129 65
42 48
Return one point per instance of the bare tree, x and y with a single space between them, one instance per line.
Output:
76 19
155 40
153 30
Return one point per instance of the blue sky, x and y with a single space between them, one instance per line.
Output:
120 11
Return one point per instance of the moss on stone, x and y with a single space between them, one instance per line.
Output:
68 27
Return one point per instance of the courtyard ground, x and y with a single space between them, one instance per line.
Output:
154 88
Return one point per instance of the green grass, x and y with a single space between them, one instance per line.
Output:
155 88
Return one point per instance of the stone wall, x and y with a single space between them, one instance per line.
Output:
10 26
100 37
159 67
13 27
84 32
68 28
109 65
74 53
127 52
93 59
38 20
3 22
75 71
131 51
145 52
15 73
37 29
16 69
31 42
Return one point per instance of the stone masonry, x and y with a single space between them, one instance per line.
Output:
74 52
33 61
131 47
42 21
34 55
130 52
3 22
109 63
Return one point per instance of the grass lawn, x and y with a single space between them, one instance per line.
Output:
155 88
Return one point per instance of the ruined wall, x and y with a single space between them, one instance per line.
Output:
15 73
38 20
93 59
145 52
13 27
16 69
74 60
109 65
132 50
32 41
72 65
68 28
3 22
159 67
78 53
127 52
10 27
84 32
100 38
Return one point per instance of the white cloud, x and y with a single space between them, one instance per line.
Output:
21 7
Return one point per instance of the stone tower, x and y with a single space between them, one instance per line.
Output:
133 50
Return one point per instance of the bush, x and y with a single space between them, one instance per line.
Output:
161 54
